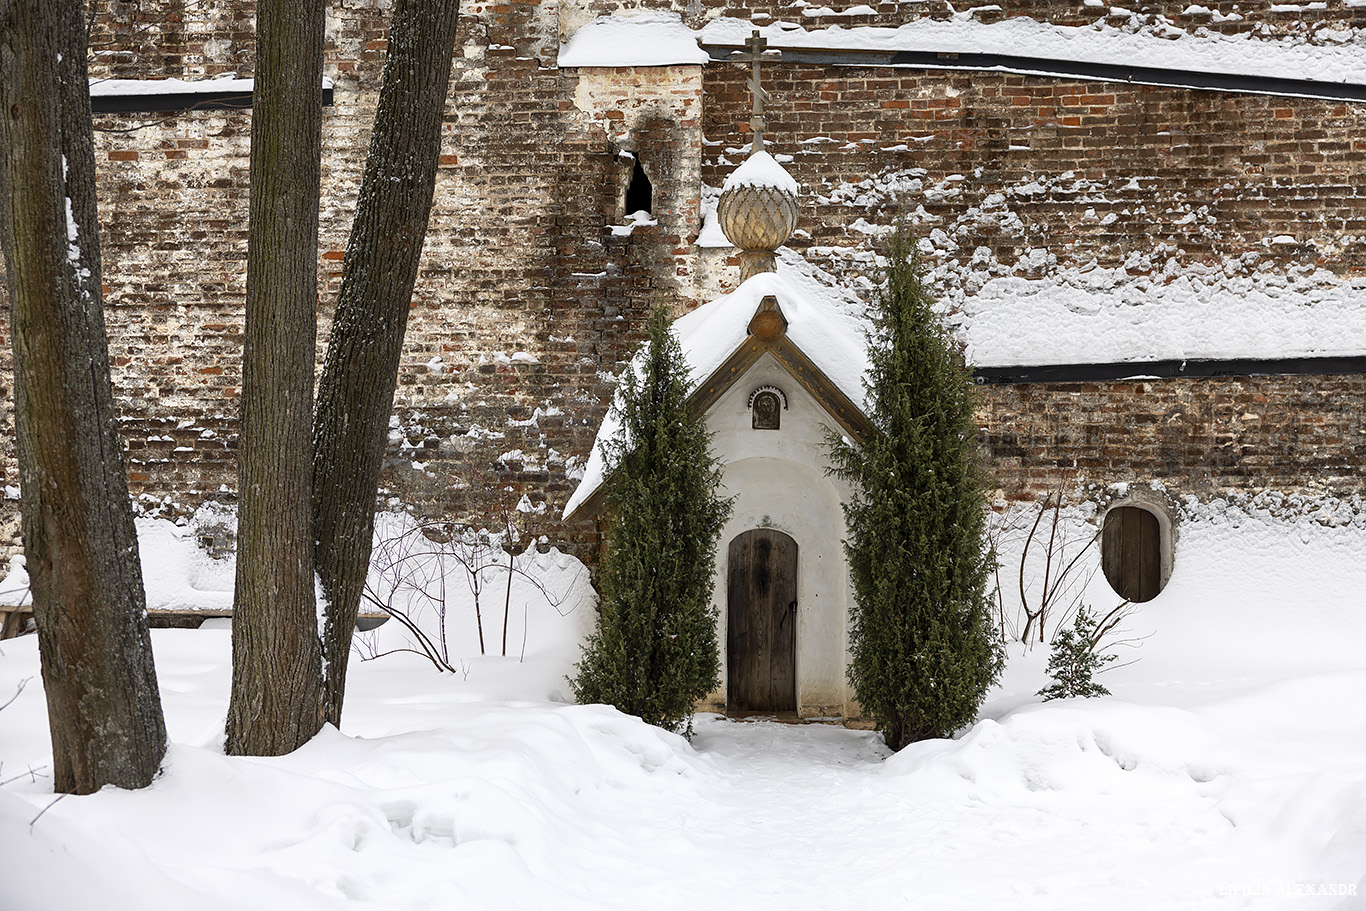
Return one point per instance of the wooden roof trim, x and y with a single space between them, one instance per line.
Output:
838 405
722 378
590 506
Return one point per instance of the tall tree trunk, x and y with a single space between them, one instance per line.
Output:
104 709
356 394
277 667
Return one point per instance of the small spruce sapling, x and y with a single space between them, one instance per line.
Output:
1075 659
654 652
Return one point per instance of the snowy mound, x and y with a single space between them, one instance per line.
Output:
1226 771
428 803
496 807
761 170
176 573
633 38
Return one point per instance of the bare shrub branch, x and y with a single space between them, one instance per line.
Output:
1050 598
410 575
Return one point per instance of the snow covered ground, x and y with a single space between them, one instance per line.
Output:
1227 771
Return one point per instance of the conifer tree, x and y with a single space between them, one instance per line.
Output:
654 652
923 646
1075 659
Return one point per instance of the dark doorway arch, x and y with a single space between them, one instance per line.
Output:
1131 553
761 622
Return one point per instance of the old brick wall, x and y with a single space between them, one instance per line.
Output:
528 302
1015 175
1196 436
1084 170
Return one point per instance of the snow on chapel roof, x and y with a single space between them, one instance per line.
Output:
821 327
830 338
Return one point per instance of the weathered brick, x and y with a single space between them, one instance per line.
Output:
520 259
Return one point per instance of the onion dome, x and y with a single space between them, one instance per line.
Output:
758 211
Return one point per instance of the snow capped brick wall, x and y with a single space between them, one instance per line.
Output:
528 301
1047 181
993 167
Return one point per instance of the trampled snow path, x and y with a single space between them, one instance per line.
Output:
815 817
791 810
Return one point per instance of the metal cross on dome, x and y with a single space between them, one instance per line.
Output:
757 50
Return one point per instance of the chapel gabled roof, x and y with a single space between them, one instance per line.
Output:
824 349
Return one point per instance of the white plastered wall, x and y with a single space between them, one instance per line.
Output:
778 479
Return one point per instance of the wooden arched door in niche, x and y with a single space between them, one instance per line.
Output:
1131 553
761 622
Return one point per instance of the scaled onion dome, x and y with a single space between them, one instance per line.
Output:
758 211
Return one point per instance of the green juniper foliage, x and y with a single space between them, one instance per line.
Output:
1074 660
654 653
924 649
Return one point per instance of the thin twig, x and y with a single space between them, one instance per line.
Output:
19 689
1024 561
34 820
32 775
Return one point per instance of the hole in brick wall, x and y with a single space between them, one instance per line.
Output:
640 193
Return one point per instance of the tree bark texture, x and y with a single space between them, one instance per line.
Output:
276 700
356 393
104 708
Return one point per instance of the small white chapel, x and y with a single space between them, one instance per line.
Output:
774 367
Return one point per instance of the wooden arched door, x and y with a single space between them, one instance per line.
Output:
1131 553
761 612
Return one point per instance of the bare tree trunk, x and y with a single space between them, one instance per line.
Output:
104 709
356 394
277 666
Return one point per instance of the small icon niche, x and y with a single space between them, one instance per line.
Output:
766 405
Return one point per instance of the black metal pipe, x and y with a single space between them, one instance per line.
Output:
1168 369
1067 69
171 102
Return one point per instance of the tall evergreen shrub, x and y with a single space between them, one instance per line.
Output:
924 648
654 652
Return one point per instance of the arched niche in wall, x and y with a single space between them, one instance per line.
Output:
766 405
1136 549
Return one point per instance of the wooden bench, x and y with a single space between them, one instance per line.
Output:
14 621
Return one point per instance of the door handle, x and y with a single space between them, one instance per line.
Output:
792 608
